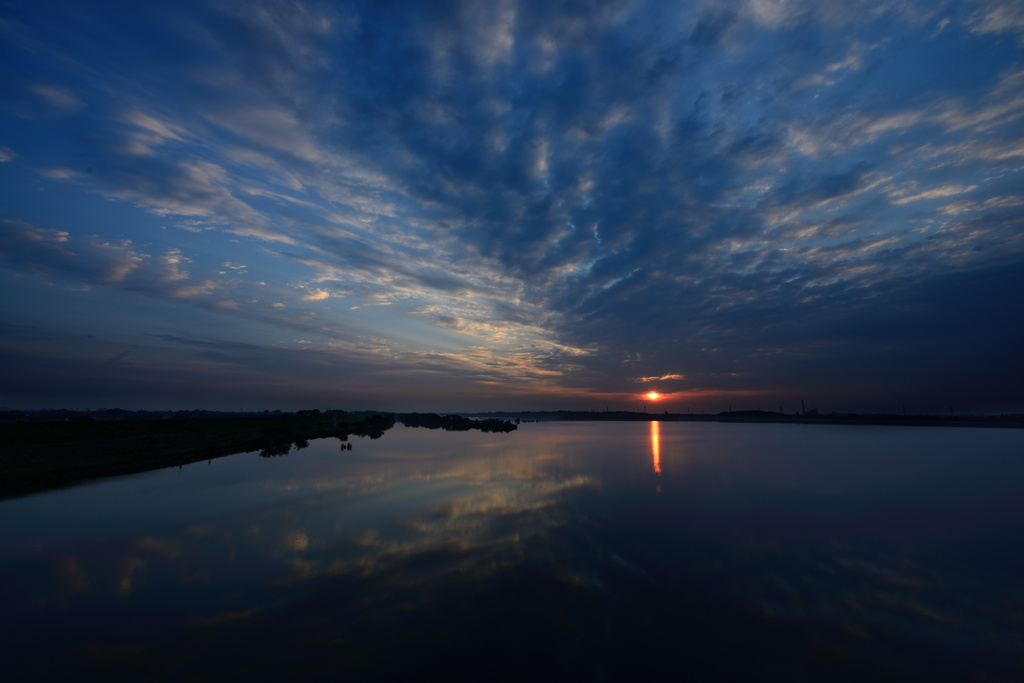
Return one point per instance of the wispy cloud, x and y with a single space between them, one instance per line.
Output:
56 96
645 380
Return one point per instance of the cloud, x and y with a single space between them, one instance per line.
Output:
208 344
936 193
645 380
172 263
999 17
316 295
57 96
93 261
196 290
48 251
61 173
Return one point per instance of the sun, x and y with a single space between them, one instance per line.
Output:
653 395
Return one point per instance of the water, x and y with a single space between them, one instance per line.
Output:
563 550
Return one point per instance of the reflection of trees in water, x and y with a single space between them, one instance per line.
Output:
280 449
281 436
373 426
285 448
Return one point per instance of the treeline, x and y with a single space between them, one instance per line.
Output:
454 423
280 434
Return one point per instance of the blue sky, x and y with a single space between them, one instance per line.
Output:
513 205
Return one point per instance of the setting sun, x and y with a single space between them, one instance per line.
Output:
653 395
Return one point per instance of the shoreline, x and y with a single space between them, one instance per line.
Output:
41 455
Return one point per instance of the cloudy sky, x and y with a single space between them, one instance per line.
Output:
514 204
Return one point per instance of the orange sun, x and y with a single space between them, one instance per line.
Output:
653 395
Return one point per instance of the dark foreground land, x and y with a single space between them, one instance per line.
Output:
55 448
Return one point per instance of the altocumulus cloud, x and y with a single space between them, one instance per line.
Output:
529 203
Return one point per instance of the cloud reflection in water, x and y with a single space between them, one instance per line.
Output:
811 552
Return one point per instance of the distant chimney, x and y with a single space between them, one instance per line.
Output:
803 410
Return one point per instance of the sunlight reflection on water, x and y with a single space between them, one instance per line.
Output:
656 445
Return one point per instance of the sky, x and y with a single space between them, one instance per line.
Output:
513 205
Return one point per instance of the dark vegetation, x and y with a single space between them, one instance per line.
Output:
49 449
454 423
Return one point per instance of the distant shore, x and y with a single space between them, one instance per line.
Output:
764 416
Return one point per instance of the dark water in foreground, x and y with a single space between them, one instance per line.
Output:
563 550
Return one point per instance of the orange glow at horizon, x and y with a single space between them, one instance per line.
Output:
653 395
656 445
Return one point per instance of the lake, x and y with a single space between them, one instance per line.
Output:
601 550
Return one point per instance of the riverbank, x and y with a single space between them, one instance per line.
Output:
41 455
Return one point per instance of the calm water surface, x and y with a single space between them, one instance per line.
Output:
570 550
